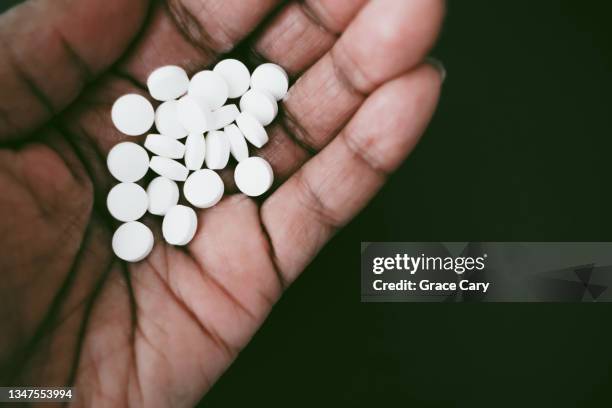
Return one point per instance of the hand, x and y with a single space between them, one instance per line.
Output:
160 332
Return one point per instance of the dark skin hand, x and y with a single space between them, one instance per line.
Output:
162 331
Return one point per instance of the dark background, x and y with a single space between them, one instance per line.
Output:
518 151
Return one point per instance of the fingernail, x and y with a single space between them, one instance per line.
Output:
437 64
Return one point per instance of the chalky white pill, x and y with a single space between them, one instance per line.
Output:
165 146
167 83
169 168
132 114
238 144
204 188
260 104
194 115
179 225
210 88
195 151
127 202
272 78
128 162
217 150
225 115
132 241
163 194
252 129
253 176
167 121
236 75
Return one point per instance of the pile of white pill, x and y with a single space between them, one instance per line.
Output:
196 132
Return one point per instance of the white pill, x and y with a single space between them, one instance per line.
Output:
237 76
132 114
169 168
225 115
210 88
195 151
133 241
194 115
165 146
272 78
179 225
254 176
167 83
260 104
167 121
204 188
127 202
252 129
128 162
163 194
217 150
238 144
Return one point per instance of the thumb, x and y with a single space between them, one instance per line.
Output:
49 49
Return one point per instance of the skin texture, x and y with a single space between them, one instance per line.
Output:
160 332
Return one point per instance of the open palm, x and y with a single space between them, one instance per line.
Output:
160 332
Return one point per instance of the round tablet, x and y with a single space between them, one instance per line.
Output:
167 121
163 194
165 146
217 150
167 83
260 104
225 115
238 144
203 189
194 115
210 88
252 130
127 202
133 241
253 176
169 168
195 151
237 76
179 225
128 162
132 114
272 78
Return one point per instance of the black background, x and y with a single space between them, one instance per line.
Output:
518 151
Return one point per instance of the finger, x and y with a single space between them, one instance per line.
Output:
385 39
330 188
192 33
303 31
48 53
